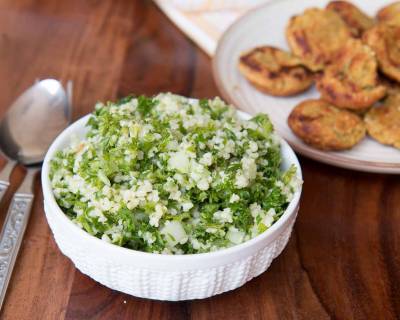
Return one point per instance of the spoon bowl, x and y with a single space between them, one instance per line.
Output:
33 122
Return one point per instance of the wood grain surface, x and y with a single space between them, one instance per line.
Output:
343 259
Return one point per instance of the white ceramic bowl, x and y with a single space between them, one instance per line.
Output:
165 277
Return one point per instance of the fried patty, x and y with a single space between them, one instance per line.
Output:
275 71
351 82
356 20
383 122
320 124
384 39
392 87
316 36
390 14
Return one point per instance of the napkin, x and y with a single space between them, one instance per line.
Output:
204 21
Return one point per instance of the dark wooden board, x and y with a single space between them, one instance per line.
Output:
343 259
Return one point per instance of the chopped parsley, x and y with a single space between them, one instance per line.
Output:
171 175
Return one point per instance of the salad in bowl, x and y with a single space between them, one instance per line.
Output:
155 181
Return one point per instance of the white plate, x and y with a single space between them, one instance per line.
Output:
266 26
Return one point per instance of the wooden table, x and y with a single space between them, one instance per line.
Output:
343 259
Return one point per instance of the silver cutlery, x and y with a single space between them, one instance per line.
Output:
27 130
27 94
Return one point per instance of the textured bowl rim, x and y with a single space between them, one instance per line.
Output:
55 210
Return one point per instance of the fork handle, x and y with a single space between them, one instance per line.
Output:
3 188
5 176
14 229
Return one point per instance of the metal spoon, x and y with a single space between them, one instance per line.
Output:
26 132
27 95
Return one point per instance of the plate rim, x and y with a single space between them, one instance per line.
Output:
307 151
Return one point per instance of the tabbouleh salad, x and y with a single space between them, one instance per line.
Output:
171 175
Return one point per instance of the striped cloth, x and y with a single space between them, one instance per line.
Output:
204 21
213 5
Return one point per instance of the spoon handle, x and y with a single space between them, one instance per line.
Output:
14 228
5 176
